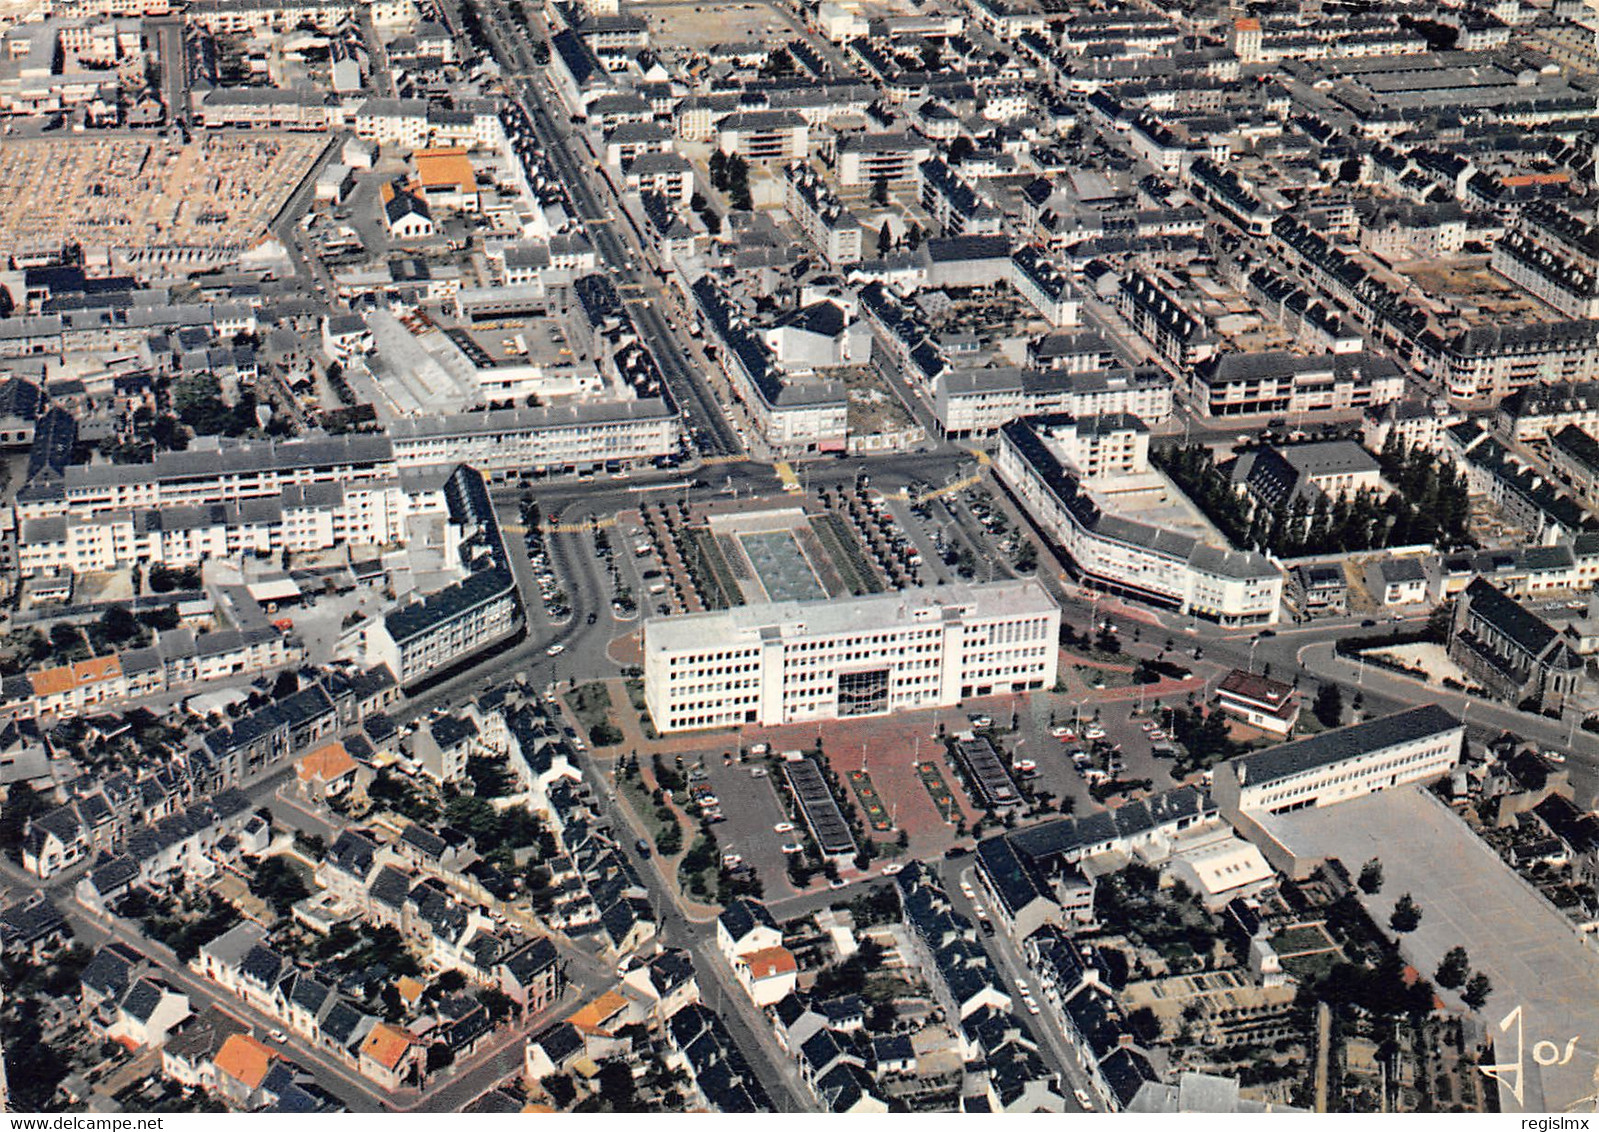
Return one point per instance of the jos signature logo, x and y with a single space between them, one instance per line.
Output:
1544 1052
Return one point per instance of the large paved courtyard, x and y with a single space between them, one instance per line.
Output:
1469 897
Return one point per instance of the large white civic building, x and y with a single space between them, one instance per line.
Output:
789 662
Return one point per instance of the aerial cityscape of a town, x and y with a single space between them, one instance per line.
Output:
799 556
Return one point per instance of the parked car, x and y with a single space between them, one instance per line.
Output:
643 846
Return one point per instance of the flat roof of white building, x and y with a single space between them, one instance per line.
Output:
747 624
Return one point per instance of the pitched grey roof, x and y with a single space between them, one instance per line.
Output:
1331 747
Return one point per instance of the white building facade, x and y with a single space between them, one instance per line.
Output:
796 661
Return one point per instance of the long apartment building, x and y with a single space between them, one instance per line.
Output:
224 471
427 635
237 472
1538 410
553 438
764 135
1153 564
300 520
792 662
979 402
1547 276
1276 381
864 159
825 221
1488 363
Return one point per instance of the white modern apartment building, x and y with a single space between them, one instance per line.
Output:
1276 381
302 519
1163 567
425 636
1338 766
977 402
792 662
551 437
210 471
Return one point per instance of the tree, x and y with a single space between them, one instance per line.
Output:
616 1086
1454 968
22 802
880 192
1477 991
286 685
118 624
275 881
885 238
65 638
1328 707
1371 877
440 1056
1406 915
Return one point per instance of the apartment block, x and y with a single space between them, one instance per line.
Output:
1163 567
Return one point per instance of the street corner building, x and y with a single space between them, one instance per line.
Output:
789 662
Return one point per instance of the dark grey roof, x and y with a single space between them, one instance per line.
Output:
423 616
1332 747
29 921
111 970
528 962
559 1041
1009 876
1510 618
743 916
142 999
1126 1071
